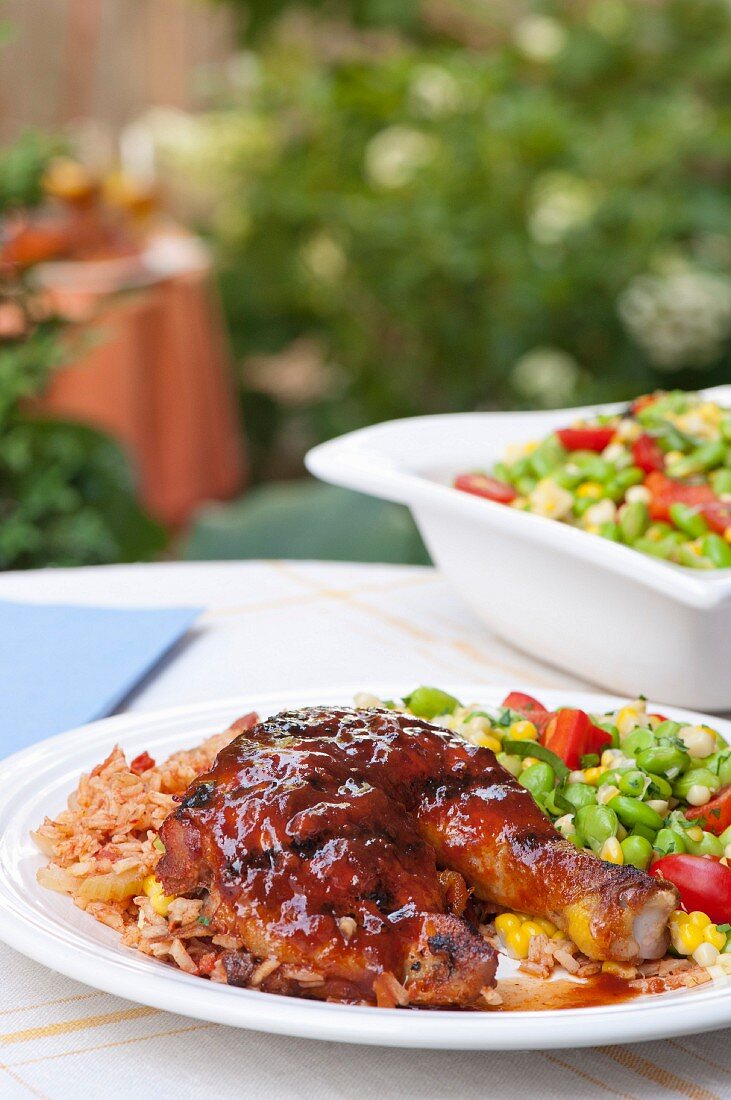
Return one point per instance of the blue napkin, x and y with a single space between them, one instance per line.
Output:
61 666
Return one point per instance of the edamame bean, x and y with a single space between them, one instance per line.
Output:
632 782
700 777
636 741
597 824
688 556
512 764
580 794
717 549
637 851
634 520
663 760
631 811
668 728
658 788
538 778
724 770
702 458
721 481
642 830
708 845
611 531
428 702
688 520
669 842
725 836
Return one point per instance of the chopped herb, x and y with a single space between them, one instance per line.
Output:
590 760
157 843
204 920
533 748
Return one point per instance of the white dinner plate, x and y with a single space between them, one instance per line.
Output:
48 928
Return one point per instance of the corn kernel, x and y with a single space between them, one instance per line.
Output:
698 919
698 795
622 970
547 926
612 851
699 741
627 719
713 936
705 954
695 833
686 938
593 775
533 928
486 741
160 901
517 941
529 761
523 731
727 534
506 922
590 490
575 777
606 794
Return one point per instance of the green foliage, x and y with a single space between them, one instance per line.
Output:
535 213
22 165
66 495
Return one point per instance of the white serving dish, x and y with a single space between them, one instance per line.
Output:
47 927
601 610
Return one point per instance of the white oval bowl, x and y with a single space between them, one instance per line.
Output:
48 928
603 611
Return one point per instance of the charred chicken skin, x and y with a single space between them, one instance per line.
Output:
319 835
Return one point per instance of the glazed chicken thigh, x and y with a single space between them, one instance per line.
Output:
319 835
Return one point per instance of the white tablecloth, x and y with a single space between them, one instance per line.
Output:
272 626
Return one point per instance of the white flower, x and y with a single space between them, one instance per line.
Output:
679 319
559 203
434 91
539 37
546 375
324 258
394 157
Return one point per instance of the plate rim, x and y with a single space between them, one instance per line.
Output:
136 978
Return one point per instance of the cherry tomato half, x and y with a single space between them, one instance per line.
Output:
488 487
529 707
585 439
647 454
703 882
716 813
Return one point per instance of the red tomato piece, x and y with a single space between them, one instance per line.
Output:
488 487
704 883
142 763
585 439
646 454
641 403
665 492
529 707
716 813
571 734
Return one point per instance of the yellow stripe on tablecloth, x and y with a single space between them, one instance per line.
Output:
587 1076
701 1057
111 1046
643 1067
19 1081
417 633
51 1004
64 1027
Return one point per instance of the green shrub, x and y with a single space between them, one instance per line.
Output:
495 206
66 495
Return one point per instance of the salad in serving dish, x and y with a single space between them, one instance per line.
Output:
656 477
